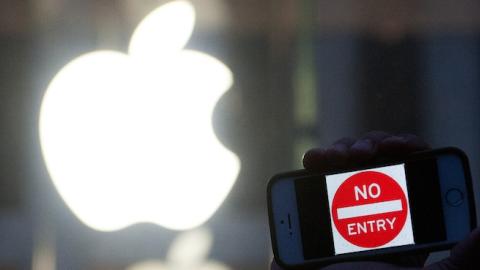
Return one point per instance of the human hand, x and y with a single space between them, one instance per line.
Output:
372 146
380 145
464 256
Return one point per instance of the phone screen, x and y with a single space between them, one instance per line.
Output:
382 207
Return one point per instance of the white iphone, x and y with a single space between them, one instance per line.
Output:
420 203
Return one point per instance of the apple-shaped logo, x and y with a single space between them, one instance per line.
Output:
128 138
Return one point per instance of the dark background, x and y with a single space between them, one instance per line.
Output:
306 73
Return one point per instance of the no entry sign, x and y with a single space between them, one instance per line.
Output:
369 209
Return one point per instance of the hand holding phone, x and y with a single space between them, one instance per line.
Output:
344 154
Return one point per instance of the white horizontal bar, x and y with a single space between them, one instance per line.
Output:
369 209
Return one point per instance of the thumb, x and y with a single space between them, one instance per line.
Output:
464 256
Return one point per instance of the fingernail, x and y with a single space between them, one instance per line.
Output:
364 145
337 154
397 138
340 147
313 158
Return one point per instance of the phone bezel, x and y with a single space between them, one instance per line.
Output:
378 254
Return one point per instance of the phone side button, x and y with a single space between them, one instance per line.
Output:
454 197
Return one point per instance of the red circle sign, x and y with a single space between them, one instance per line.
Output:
369 209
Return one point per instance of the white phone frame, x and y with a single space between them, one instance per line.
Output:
286 236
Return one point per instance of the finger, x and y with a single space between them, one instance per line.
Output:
414 142
315 159
351 265
372 144
464 256
366 148
274 266
400 145
345 142
376 136
363 266
392 146
362 150
338 153
319 159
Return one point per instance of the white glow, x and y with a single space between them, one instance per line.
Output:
164 31
128 138
189 251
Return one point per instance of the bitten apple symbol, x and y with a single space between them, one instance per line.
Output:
128 138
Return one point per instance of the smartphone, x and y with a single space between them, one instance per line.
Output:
423 202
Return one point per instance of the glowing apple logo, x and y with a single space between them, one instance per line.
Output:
127 138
